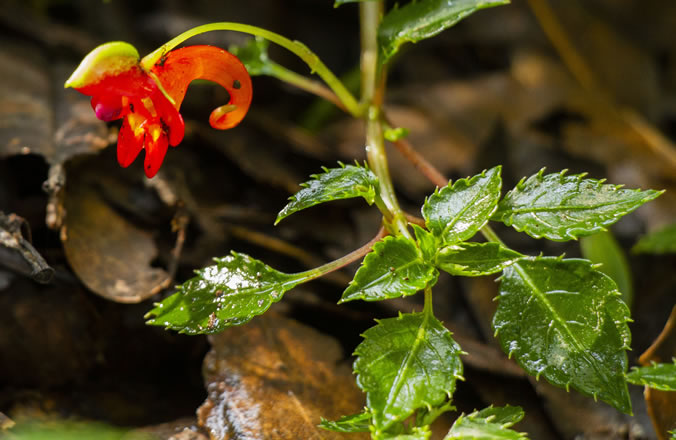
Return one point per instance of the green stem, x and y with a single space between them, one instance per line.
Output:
377 159
383 208
305 83
369 19
490 235
373 85
428 308
343 261
296 47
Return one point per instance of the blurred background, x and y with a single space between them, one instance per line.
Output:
86 247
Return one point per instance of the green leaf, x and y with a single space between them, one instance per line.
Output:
422 19
231 292
475 259
404 364
456 212
662 241
488 424
394 134
352 423
427 416
254 56
560 207
602 248
417 433
658 376
426 242
566 321
394 268
503 415
334 184
672 433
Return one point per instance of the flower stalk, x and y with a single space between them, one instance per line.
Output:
299 49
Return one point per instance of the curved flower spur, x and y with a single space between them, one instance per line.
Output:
147 94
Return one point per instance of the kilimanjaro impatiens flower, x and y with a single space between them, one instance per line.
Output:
148 98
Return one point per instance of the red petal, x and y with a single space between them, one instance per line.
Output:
172 119
128 145
181 66
107 108
155 152
133 82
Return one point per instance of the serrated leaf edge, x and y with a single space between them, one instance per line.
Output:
398 383
546 302
571 233
648 383
455 186
314 177
487 420
374 254
477 272
293 279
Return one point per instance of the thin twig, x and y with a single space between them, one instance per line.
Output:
354 255
418 161
415 220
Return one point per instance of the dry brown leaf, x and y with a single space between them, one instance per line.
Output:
25 110
110 255
275 378
37 116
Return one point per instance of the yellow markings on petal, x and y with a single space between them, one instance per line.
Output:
161 87
136 123
148 104
223 110
155 132
108 59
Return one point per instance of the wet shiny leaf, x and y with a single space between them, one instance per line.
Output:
404 364
346 182
231 292
394 268
475 259
417 433
658 376
426 242
561 208
352 423
488 424
563 320
421 19
456 212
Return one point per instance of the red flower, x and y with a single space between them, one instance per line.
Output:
148 100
